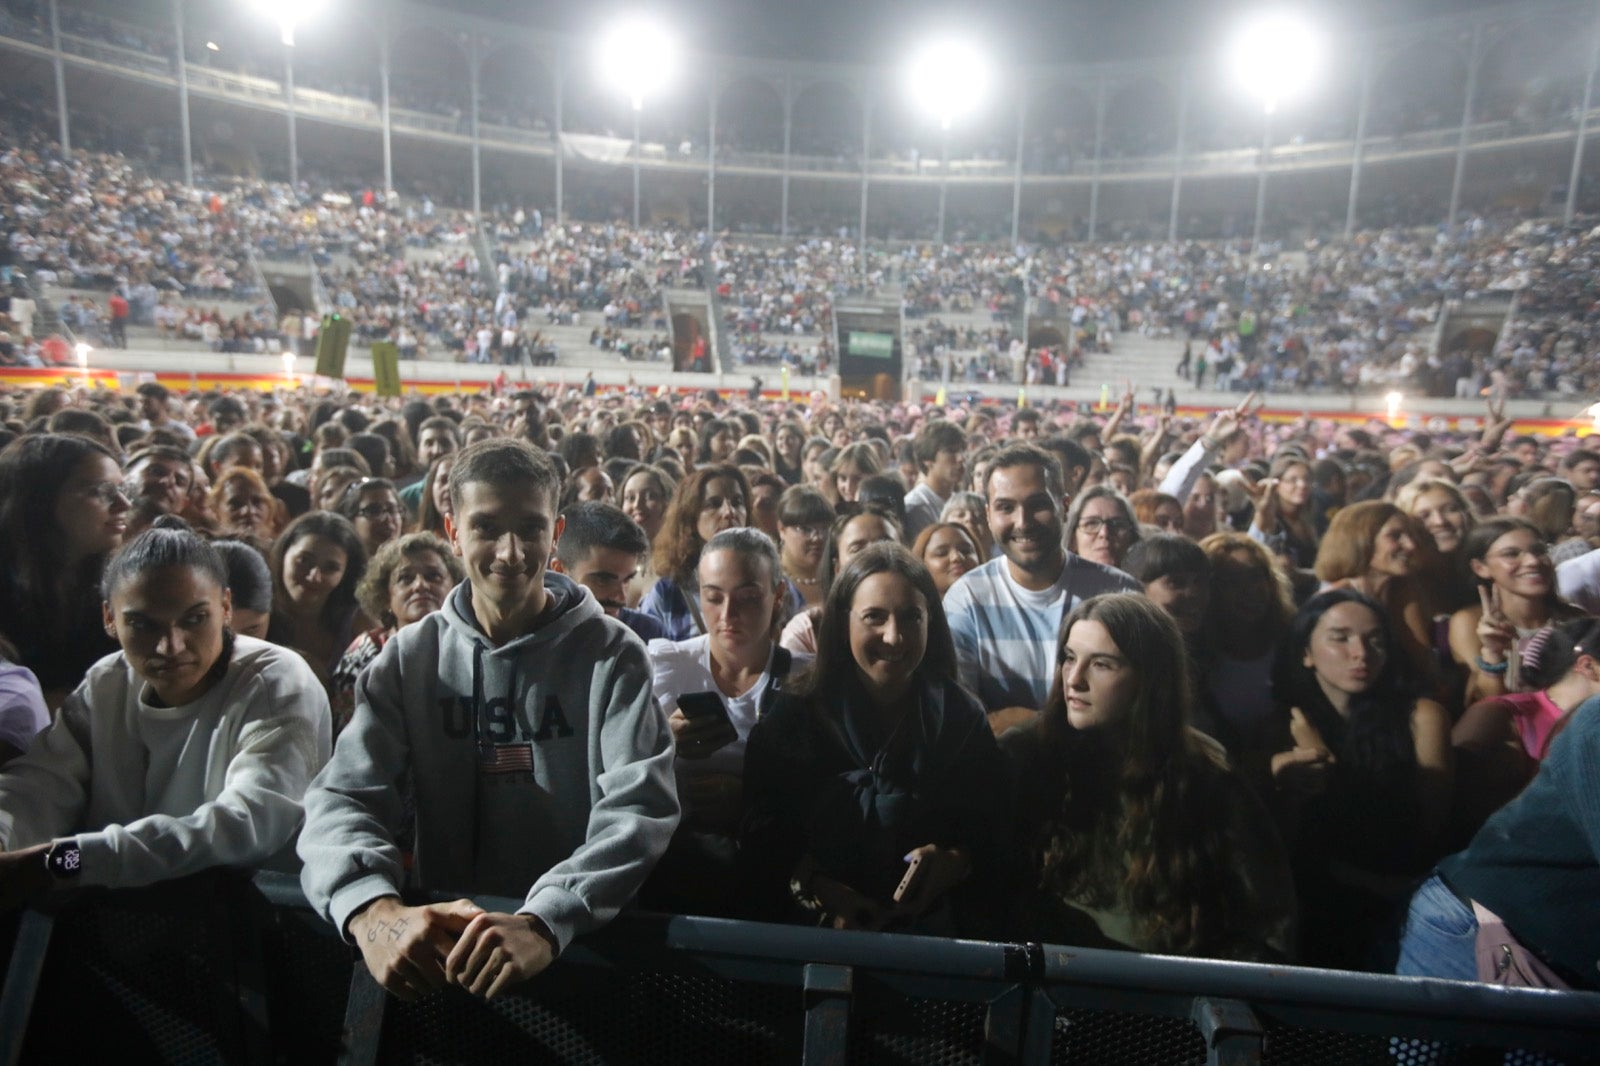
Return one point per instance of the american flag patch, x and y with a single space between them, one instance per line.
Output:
506 759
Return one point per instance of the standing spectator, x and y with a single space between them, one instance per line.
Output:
119 320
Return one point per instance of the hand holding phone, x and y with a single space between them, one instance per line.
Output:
701 725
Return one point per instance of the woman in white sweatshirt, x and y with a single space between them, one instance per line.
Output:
189 748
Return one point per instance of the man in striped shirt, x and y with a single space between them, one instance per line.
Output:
1004 616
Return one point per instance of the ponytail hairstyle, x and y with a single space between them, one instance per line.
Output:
169 542
1552 652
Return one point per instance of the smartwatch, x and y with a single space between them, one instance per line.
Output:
64 860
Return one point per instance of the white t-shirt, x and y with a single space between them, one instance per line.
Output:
679 667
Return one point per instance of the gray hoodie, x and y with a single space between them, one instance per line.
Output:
543 762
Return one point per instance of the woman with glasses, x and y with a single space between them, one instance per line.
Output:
406 581
804 516
1101 526
373 506
62 514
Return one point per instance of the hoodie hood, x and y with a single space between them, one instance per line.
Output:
569 606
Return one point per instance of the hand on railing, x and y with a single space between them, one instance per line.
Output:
405 947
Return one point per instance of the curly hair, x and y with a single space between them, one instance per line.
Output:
677 546
372 592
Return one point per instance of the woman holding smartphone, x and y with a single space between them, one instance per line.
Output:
875 790
714 688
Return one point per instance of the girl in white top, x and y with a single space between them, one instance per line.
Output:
736 662
187 749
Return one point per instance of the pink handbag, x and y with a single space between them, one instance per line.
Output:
1503 960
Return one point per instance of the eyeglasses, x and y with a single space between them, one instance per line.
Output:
106 493
374 511
1111 526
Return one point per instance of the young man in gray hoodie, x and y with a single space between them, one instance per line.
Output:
518 721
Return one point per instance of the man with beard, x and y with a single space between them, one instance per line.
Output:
1004 615
157 480
600 549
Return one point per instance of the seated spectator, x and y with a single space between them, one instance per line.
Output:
948 551
316 564
373 507
407 579
549 725
245 506
600 548
709 500
189 748
1004 615
1133 831
714 688
1534 868
1101 526
1364 775
62 514
874 758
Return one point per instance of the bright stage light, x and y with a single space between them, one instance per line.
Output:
288 14
948 78
1275 57
638 57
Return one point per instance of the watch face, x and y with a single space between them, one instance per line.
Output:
66 860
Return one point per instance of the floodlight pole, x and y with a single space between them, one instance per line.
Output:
1361 139
474 63
61 80
638 106
288 96
558 74
1261 179
183 91
788 137
1177 153
711 164
1474 61
1583 129
383 90
866 174
1016 187
944 171
1099 149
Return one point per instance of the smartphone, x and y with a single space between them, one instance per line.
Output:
905 882
698 705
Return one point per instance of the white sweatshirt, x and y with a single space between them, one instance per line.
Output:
154 793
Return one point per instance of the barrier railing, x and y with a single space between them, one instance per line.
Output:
217 968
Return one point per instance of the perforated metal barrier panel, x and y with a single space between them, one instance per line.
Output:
220 969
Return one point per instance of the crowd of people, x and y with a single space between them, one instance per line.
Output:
1306 692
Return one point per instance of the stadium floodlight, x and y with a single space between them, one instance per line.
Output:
948 78
288 14
638 57
1275 57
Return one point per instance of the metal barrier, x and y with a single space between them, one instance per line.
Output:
218 968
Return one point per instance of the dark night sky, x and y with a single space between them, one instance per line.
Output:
1022 30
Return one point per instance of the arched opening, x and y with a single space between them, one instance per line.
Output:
1058 130
750 117
1420 87
1141 120
515 90
827 122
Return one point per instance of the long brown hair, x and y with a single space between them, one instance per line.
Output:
1140 823
678 545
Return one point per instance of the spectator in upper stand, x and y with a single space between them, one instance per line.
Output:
548 722
118 306
709 500
601 548
189 748
1004 615
62 514
940 451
